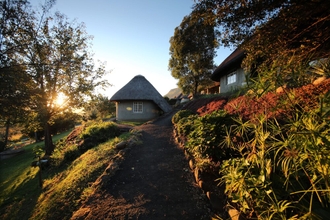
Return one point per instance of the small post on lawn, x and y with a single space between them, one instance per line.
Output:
39 174
38 151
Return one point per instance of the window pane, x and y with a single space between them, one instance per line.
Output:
137 107
231 78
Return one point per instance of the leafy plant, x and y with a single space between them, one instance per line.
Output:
205 138
92 134
203 135
321 67
181 114
100 131
303 157
283 170
248 178
185 125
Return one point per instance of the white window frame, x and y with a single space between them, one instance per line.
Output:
137 107
231 78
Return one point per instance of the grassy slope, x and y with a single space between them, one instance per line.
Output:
65 186
19 187
65 191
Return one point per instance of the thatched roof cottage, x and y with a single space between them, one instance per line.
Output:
138 100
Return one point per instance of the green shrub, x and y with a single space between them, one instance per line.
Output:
172 101
205 140
248 186
204 135
100 131
93 134
185 125
181 114
71 153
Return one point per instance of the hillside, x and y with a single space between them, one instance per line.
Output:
174 93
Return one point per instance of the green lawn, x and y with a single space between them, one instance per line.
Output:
19 181
65 186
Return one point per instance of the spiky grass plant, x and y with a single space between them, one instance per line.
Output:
283 171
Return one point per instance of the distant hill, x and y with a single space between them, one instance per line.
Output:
174 93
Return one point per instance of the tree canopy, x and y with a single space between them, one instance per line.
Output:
273 30
192 49
14 86
99 107
54 57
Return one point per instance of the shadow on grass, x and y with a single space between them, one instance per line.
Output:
19 183
19 200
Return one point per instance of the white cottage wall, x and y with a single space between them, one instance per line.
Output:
124 111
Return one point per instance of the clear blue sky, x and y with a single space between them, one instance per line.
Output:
132 36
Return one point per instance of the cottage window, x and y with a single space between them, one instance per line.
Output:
231 78
137 107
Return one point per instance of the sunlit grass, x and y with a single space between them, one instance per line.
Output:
18 178
18 167
64 192
131 123
65 186
14 171
18 181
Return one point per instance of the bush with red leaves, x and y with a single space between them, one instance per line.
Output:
199 105
278 105
211 107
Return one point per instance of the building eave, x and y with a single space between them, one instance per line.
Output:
230 64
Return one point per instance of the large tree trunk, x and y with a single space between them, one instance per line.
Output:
49 146
7 132
195 89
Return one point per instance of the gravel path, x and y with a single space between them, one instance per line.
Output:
154 181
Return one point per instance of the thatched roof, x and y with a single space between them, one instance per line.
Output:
139 88
230 64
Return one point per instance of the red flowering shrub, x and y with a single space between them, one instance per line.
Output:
277 105
307 97
247 106
211 107
199 105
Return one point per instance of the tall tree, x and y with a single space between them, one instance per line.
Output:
14 96
273 32
192 50
13 15
14 84
58 61
40 59
99 107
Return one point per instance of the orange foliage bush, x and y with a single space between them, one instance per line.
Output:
279 105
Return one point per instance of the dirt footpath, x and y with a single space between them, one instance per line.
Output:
153 182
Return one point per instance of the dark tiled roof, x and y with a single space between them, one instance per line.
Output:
139 88
231 63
